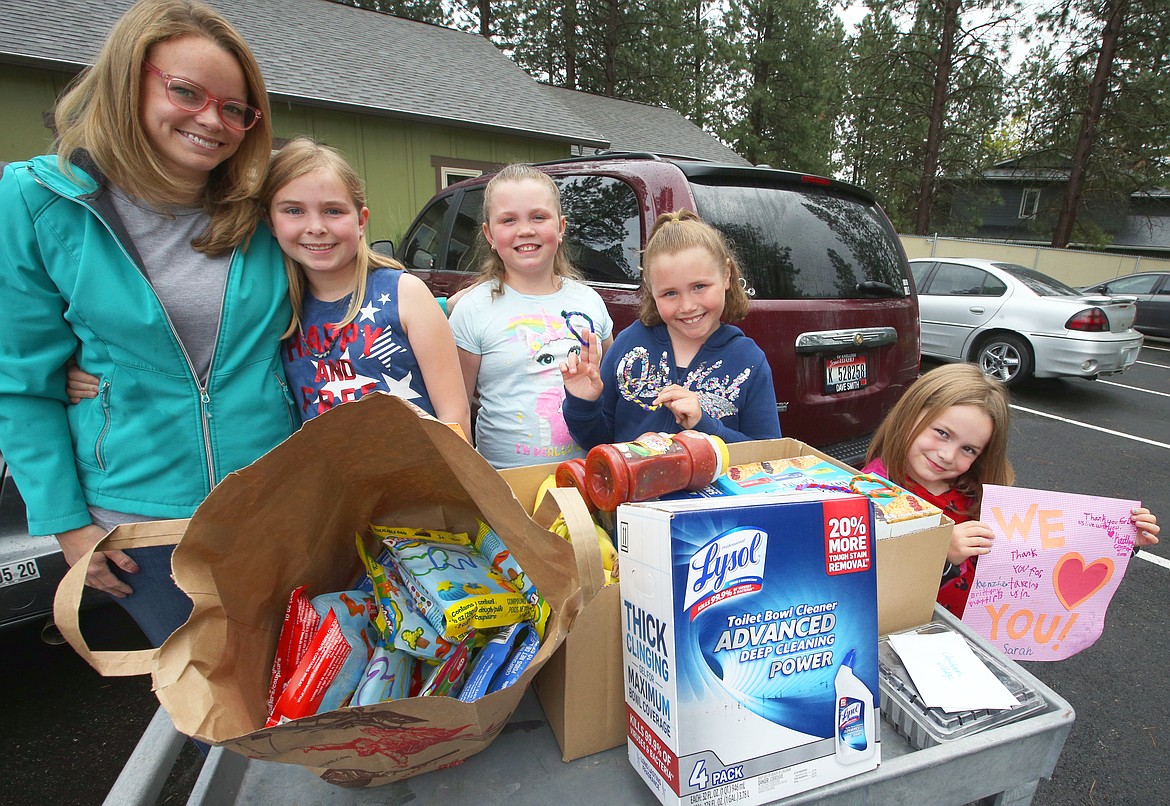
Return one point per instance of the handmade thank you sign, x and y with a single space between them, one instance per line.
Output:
1042 592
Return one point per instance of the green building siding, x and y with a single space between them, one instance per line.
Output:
28 94
396 158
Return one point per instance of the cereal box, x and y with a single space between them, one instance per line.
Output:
898 511
749 644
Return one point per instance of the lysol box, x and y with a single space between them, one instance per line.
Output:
750 644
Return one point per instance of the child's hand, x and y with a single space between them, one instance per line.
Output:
969 539
79 383
581 374
1147 526
683 404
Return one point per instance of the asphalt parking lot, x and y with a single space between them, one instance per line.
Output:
66 731
1110 437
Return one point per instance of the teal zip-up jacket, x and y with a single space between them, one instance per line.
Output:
155 440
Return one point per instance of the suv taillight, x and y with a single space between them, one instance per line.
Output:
1090 320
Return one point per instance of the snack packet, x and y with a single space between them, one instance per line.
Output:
397 619
452 584
447 678
492 548
501 661
300 625
352 610
314 674
388 676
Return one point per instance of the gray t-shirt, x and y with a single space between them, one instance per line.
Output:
189 284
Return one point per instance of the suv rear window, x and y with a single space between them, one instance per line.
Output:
603 232
835 244
602 236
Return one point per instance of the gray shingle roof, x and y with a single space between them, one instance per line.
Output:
326 54
641 127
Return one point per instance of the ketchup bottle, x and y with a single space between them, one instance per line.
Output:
652 465
571 473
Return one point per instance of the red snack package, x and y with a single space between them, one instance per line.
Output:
447 679
300 625
317 669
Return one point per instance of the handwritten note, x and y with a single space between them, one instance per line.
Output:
1042 592
948 675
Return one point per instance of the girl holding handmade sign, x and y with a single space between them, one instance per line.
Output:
943 440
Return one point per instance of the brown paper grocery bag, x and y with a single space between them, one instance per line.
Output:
290 519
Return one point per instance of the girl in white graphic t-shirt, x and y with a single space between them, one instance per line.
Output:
525 316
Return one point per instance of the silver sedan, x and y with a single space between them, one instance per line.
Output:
1017 323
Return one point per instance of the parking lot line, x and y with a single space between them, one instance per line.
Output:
1092 427
1153 558
1135 388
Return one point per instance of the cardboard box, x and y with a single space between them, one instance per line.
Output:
580 688
909 567
750 627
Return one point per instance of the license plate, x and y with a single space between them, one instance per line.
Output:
845 373
17 572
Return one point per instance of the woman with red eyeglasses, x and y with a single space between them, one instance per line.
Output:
135 250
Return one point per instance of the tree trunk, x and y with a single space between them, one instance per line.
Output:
761 70
697 105
570 33
1089 120
611 39
485 19
938 110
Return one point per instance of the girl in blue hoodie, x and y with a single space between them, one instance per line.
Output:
680 366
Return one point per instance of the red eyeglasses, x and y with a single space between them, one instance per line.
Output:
191 97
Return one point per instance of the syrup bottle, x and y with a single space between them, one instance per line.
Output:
652 465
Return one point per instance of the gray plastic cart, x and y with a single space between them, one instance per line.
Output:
523 766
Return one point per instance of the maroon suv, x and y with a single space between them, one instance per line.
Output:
832 302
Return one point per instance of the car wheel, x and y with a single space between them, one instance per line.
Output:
1005 357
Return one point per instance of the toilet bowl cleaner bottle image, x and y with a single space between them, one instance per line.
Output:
855 714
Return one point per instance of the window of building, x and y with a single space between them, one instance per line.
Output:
449 170
449 176
1030 203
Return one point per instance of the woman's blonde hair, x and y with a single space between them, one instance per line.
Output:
99 114
305 156
676 232
492 268
926 399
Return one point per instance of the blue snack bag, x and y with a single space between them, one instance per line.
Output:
501 661
386 677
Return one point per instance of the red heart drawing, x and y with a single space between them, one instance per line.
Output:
1075 581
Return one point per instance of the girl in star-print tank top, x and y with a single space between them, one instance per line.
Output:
360 323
